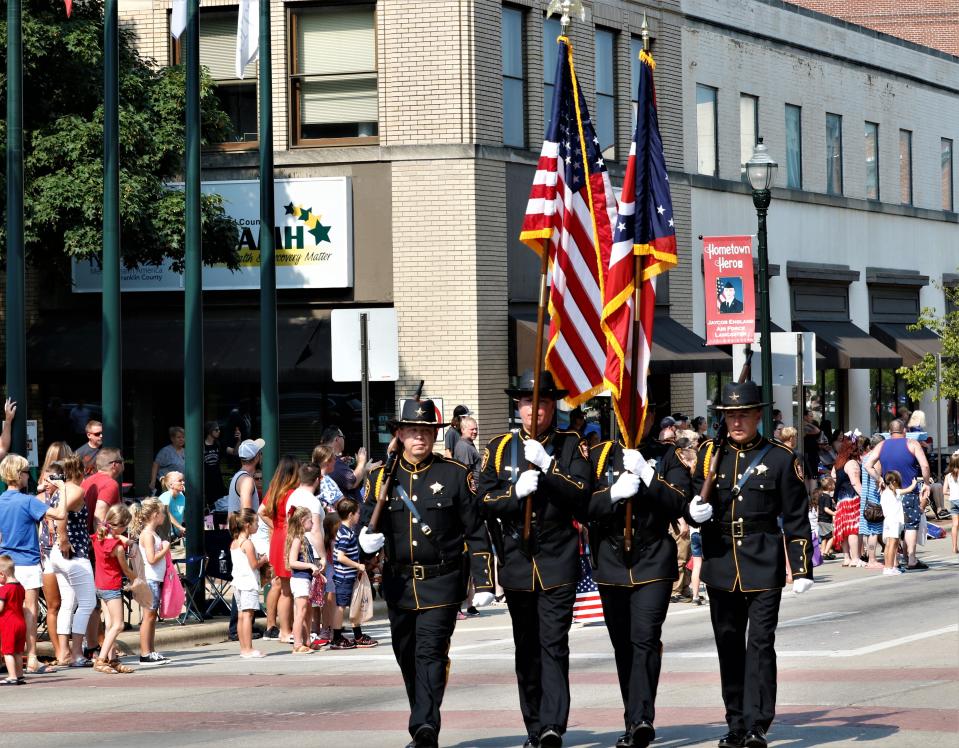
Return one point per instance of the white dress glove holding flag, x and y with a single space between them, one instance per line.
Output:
801 585
699 510
535 454
482 599
635 463
371 542
528 483
625 486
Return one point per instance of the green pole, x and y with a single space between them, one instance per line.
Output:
112 377
16 353
269 392
761 199
193 296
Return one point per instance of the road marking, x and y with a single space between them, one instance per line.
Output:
818 618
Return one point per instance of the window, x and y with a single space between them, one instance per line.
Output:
888 397
947 199
514 84
748 128
833 154
635 47
606 91
905 167
706 129
793 147
551 30
333 83
218 54
872 161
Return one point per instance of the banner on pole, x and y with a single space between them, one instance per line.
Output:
729 293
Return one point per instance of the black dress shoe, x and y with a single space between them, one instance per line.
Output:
756 738
531 742
732 739
642 733
550 737
425 737
625 740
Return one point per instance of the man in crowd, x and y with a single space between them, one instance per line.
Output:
88 452
348 479
757 480
538 573
465 450
454 431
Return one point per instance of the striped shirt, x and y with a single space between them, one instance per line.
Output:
347 542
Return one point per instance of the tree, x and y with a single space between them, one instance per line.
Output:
921 377
63 144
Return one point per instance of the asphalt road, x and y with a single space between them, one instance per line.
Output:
863 659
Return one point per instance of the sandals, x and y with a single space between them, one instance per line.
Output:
81 662
35 667
120 667
254 655
102 666
12 682
302 650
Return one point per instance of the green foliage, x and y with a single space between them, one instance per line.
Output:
63 143
921 377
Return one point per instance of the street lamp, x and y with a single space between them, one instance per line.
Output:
759 171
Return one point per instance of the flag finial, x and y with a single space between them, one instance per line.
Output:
644 33
566 8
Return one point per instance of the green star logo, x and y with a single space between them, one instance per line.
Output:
321 233
290 209
305 214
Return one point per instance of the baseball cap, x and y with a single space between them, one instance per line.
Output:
461 410
679 417
250 448
667 422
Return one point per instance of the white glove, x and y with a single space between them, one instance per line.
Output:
699 510
371 542
482 599
625 486
635 463
802 585
528 483
535 454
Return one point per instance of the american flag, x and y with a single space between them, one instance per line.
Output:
643 228
587 608
569 215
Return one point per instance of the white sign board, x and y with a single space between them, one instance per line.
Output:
438 407
384 357
313 235
33 456
785 352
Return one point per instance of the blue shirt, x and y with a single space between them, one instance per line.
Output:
20 514
348 542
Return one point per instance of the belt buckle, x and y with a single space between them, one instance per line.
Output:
419 573
425 529
737 527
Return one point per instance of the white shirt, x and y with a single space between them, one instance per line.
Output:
952 485
156 571
303 496
245 577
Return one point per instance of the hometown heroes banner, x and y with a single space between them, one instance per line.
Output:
729 293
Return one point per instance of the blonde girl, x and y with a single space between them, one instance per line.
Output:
893 519
950 492
153 551
172 498
246 577
300 559
48 533
109 550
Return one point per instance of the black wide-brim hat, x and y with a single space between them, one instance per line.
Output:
417 413
745 396
547 386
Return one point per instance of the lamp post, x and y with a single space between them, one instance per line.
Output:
759 170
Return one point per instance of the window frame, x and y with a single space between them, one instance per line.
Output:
946 174
609 152
548 70
744 97
875 155
829 170
715 153
524 63
912 196
294 80
798 109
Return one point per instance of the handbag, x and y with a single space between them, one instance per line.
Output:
318 591
816 551
172 596
361 605
872 512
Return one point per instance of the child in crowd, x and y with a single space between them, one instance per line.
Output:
346 569
13 628
246 577
331 527
153 550
893 519
302 563
827 513
324 457
110 553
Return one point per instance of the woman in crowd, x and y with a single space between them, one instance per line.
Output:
846 472
51 590
170 457
700 426
213 451
950 492
917 422
174 500
789 437
279 601
870 531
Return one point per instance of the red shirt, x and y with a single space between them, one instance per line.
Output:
99 487
106 572
12 626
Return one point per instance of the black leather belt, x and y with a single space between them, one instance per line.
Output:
427 571
742 527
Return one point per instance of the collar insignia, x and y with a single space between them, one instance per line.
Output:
437 487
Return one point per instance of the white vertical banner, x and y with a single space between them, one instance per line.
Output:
247 34
178 18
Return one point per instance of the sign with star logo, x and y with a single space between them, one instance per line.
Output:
312 237
730 298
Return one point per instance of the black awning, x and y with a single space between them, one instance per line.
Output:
845 346
912 345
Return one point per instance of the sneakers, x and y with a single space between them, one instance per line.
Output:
154 658
343 643
272 633
365 641
472 611
893 572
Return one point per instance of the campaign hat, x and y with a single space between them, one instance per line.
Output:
741 396
547 387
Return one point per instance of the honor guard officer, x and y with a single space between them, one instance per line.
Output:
538 576
757 481
430 518
634 585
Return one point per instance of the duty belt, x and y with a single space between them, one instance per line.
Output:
427 571
742 527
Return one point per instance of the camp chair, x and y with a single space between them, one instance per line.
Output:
219 570
192 586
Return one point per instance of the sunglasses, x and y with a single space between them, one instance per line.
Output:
94 433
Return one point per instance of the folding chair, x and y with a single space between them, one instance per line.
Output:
192 586
219 570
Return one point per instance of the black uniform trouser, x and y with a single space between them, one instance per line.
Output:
747 665
421 644
634 619
541 622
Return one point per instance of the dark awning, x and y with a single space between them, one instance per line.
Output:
676 350
845 346
912 345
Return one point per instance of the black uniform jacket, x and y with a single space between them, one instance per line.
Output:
553 555
664 457
742 545
429 571
653 556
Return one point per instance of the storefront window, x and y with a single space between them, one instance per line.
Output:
888 397
824 399
715 382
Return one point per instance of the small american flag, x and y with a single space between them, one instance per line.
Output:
587 608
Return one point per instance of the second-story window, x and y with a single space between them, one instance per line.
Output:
872 161
551 30
905 167
707 130
946 174
333 80
514 84
748 128
605 118
793 147
833 154
635 47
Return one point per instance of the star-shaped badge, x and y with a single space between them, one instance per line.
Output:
437 487
734 397
420 411
761 469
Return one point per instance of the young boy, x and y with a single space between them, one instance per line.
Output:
13 629
346 569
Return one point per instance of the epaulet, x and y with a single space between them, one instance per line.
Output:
568 432
603 454
703 445
708 457
378 483
451 461
497 449
781 445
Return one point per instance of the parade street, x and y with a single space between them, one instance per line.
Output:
863 659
